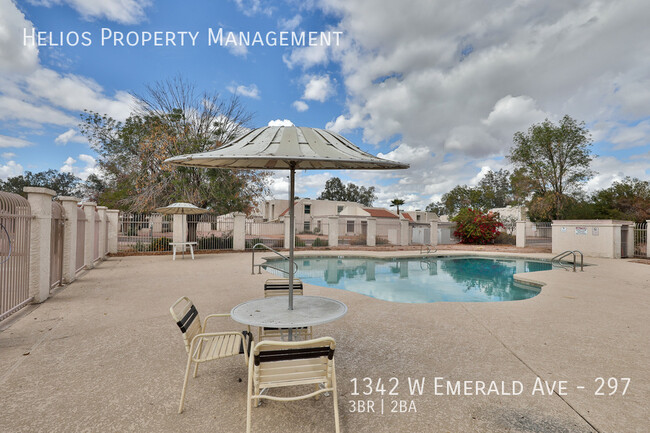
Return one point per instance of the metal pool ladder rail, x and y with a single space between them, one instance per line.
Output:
557 260
266 265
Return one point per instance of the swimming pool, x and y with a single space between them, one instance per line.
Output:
420 280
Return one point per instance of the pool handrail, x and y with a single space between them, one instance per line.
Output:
266 265
558 260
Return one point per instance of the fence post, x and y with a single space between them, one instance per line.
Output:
113 228
433 235
371 233
40 200
333 231
404 232
69 238
647 239
521 234
89 243
239 232
103 226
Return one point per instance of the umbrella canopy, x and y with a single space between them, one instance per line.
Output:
288 148
181 209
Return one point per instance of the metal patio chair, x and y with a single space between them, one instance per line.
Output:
275 364
204 346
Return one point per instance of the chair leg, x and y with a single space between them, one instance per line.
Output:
187 375
196 369
335 400
196 366
316 388
249 401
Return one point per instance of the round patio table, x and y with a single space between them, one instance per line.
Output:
273 312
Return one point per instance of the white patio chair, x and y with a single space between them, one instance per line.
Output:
204 346
280 287
275 364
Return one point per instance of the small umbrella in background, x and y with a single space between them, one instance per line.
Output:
181 209
288 148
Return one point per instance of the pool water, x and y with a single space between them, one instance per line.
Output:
420 280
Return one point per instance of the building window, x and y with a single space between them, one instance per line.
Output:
417 218
307 209
351 226
339 209
307 226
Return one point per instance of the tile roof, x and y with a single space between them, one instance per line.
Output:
287 209
407 216
380 213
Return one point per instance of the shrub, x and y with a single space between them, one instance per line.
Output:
160 244
141 246
320 242
476 227
381 241
250 243
358 240
504 238
214 243
299 242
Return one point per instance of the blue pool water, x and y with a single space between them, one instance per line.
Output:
421 280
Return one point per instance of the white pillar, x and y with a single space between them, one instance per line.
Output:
113 229
630 239
371 233
40 200
433 235
521 234
239 232
180 228
101 211
333 229
89 243
404 232
69 238
287 231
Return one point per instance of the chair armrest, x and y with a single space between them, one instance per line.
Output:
213 334
210 316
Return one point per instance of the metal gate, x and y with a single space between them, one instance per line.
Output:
15 226
56 245
81 240
641 240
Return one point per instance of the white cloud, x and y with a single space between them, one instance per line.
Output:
16 58
121 11
90 167
70 135
10 169
254 7
611 169
318 88
289 24
8 155
238 50
249 91
300 106
280 122
6 141
306 57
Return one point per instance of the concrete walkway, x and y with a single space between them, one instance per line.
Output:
103 355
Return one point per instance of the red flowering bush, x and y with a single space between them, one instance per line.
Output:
476 227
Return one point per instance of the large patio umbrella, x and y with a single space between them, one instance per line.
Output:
288 148
181 209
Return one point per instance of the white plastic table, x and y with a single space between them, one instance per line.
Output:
182 244
274 312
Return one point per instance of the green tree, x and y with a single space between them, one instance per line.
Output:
628 199
397 202
555 159
335 190
173 118
495 189
63 183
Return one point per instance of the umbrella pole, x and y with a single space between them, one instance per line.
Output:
184 221
292 230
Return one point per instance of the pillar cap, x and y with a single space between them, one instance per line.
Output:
113 211
88 203
102 207
39 190
68 198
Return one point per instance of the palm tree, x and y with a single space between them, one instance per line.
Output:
397 202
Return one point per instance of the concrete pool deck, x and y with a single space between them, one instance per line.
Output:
104 355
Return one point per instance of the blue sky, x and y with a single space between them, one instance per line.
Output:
439 85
